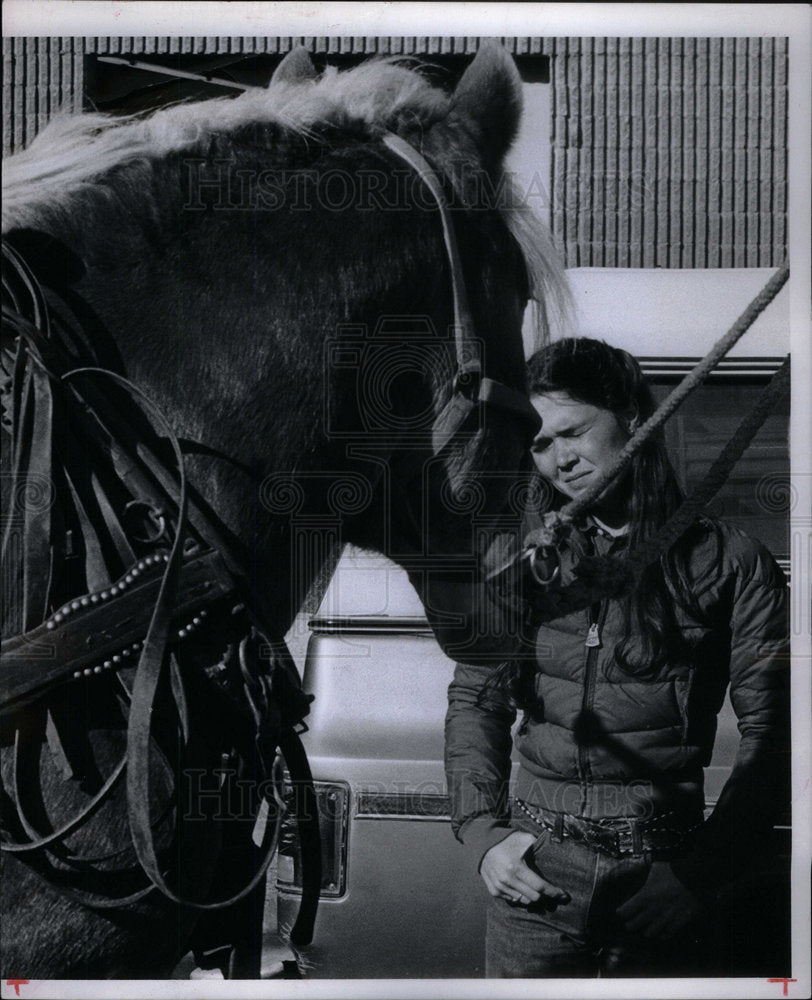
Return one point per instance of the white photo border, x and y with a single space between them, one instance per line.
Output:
134 17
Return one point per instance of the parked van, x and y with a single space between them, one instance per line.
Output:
400 898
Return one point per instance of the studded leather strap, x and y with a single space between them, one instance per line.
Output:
104 630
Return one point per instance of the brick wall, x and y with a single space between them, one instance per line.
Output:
670 152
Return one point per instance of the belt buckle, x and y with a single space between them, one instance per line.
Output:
631 841
602 839
637 836
615 849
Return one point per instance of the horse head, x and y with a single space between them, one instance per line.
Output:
334 329
450 398
305 305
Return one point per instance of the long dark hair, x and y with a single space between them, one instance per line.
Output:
593 372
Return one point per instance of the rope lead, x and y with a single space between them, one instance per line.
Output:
691 381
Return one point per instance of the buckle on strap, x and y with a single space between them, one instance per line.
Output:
472 391
600 838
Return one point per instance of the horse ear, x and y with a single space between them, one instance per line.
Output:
297 65
489 96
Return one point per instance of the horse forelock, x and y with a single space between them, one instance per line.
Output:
73 151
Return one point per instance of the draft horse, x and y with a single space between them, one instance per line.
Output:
237 334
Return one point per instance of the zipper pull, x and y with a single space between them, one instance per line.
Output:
593 636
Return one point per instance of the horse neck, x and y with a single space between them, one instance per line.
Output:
221 319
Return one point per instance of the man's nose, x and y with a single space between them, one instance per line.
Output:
565 456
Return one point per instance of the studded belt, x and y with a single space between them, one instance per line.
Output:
104 631
663 835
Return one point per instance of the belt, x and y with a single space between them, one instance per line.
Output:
662 835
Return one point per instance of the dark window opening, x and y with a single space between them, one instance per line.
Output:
756 496
128 85
125 84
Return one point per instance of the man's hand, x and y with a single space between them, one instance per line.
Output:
662 907
506 874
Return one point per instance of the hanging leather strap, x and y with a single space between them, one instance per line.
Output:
186 582
101 634
45 380
307 818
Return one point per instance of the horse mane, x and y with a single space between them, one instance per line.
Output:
381 95
73 150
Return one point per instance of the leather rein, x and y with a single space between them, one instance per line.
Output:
472 392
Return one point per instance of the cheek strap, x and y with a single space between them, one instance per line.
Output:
486 393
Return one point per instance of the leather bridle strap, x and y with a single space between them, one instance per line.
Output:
37 841
307 819
18 277
470 388
468 359
49 366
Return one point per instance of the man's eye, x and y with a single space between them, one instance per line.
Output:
541 444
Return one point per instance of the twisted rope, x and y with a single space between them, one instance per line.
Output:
601 576
597 577
691 381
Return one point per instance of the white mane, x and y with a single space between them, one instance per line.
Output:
72 151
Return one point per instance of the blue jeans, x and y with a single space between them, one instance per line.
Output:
583 937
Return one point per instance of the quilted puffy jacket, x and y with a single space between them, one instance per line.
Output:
600 743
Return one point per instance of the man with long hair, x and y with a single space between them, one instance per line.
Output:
603 862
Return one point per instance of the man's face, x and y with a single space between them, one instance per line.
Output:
576 443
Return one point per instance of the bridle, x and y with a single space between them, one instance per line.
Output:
472 392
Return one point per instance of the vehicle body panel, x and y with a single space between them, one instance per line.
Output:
413 904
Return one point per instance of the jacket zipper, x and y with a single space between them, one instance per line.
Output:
596 617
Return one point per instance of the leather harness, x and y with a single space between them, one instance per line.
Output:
472 391
174 579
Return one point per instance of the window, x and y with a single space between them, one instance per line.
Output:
756 496
123 84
